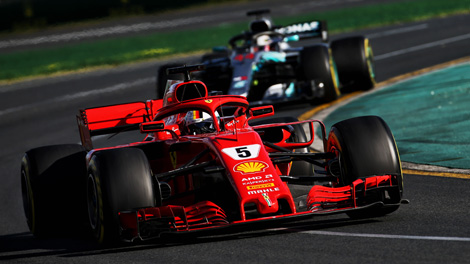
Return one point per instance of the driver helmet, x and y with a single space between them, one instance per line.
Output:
197 122
263 42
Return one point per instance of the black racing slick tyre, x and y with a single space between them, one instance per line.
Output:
317 65
52 186
118 180
355 63
163 77
367 148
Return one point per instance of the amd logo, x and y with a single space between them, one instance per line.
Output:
256 178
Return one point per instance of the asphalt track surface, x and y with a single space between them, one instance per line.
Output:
432 229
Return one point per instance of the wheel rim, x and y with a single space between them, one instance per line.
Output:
334 72
369 59
28 202
92 202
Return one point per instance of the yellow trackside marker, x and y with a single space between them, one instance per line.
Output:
438 174
311 112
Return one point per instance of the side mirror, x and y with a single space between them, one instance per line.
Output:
158 126
154 126
262 111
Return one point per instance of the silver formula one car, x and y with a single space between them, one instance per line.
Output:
261 64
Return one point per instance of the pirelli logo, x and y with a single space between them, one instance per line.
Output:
260 186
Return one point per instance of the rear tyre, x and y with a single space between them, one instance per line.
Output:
355 63
317 64
118 180
367 148
52 181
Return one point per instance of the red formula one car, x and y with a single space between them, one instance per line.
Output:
206 164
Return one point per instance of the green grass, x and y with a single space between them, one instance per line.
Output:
111 52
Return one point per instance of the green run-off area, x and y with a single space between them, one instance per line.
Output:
429 116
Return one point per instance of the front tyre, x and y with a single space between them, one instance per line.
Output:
367 148
355 63
118 180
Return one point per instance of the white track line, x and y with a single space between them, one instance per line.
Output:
344 234
71 97
100 32
397 31
423 46
139 27
149 80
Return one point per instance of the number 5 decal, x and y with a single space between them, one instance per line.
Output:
243 152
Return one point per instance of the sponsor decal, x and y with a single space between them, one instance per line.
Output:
250 167
208 101
267 199
230 124
260 186
261 191
299 28
267 176
240 78
243 152
257 179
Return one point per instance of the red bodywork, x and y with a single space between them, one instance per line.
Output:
222 178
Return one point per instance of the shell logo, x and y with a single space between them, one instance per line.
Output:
250 167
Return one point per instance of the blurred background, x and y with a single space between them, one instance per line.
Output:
20 15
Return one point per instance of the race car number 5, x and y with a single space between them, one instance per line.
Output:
243 152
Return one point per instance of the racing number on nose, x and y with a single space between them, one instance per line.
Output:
243 152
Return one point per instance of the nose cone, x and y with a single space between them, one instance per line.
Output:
267 204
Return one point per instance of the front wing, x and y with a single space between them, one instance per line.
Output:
149 223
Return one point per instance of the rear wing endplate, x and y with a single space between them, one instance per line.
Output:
114 118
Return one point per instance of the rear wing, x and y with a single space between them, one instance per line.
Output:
114 118
306 30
